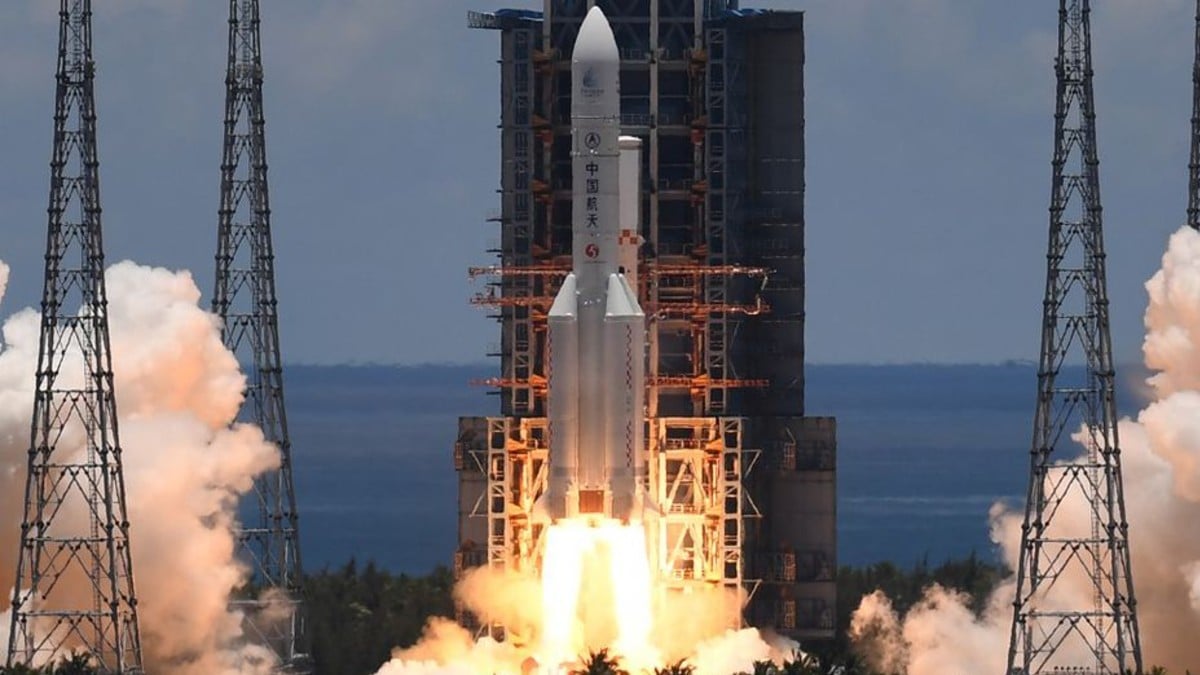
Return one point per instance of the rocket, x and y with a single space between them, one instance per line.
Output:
597 329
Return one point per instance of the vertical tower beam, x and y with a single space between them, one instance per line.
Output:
245 300
1193 210
1052 627
75 589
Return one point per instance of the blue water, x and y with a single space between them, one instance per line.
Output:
924 451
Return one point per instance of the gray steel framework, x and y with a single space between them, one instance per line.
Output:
75 587
245 300
722 282
1193 210
1052 627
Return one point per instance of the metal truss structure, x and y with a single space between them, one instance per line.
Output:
1075 534
75 585
696 484
245 300
1193 209
721 277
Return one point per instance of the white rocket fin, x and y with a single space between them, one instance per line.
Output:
630 296
619 297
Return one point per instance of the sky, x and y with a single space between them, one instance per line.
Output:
929 129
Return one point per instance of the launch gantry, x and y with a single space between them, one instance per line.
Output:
245 300
1074 609
74 585
721 281
1193 208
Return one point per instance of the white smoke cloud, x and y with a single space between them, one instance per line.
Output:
3 279
1161 463
177 390
737 651
690 627
449 649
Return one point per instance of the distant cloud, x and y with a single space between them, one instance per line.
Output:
944 43
381 133
399 54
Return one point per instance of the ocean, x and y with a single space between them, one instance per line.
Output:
923 453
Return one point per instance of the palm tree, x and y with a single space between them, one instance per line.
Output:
801 664
678 668
765 668
600 663
77 664
17 670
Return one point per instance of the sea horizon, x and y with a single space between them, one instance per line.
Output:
924 451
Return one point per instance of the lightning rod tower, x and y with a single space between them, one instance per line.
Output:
1053 628
74 587
245 300
1193 211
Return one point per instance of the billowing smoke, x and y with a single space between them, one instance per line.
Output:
691 627
1161 460
177 390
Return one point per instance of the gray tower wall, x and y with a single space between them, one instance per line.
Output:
793 551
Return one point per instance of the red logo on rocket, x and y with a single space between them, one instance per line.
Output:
591 251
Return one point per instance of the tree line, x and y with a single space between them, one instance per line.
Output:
358 613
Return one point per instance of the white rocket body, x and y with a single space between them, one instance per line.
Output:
596 327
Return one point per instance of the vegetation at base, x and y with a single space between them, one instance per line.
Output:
680 668
358 614
79 664
600 663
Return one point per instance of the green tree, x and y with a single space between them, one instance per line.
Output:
677 668
76 664
357 615
601 663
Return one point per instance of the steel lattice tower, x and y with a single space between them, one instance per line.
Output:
1193 211
75 586
1059 555
245 300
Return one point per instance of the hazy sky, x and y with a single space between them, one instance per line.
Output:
929 129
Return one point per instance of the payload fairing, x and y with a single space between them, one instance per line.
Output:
596 326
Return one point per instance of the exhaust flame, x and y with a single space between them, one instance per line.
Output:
596 592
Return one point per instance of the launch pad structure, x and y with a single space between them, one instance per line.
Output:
74 582
245 299
744 481
1096 630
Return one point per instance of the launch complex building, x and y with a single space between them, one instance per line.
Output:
743 480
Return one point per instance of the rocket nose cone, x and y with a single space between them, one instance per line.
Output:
596 41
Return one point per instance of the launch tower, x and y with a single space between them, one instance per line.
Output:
74 588
1193 210
745 481
1052 630
245 300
